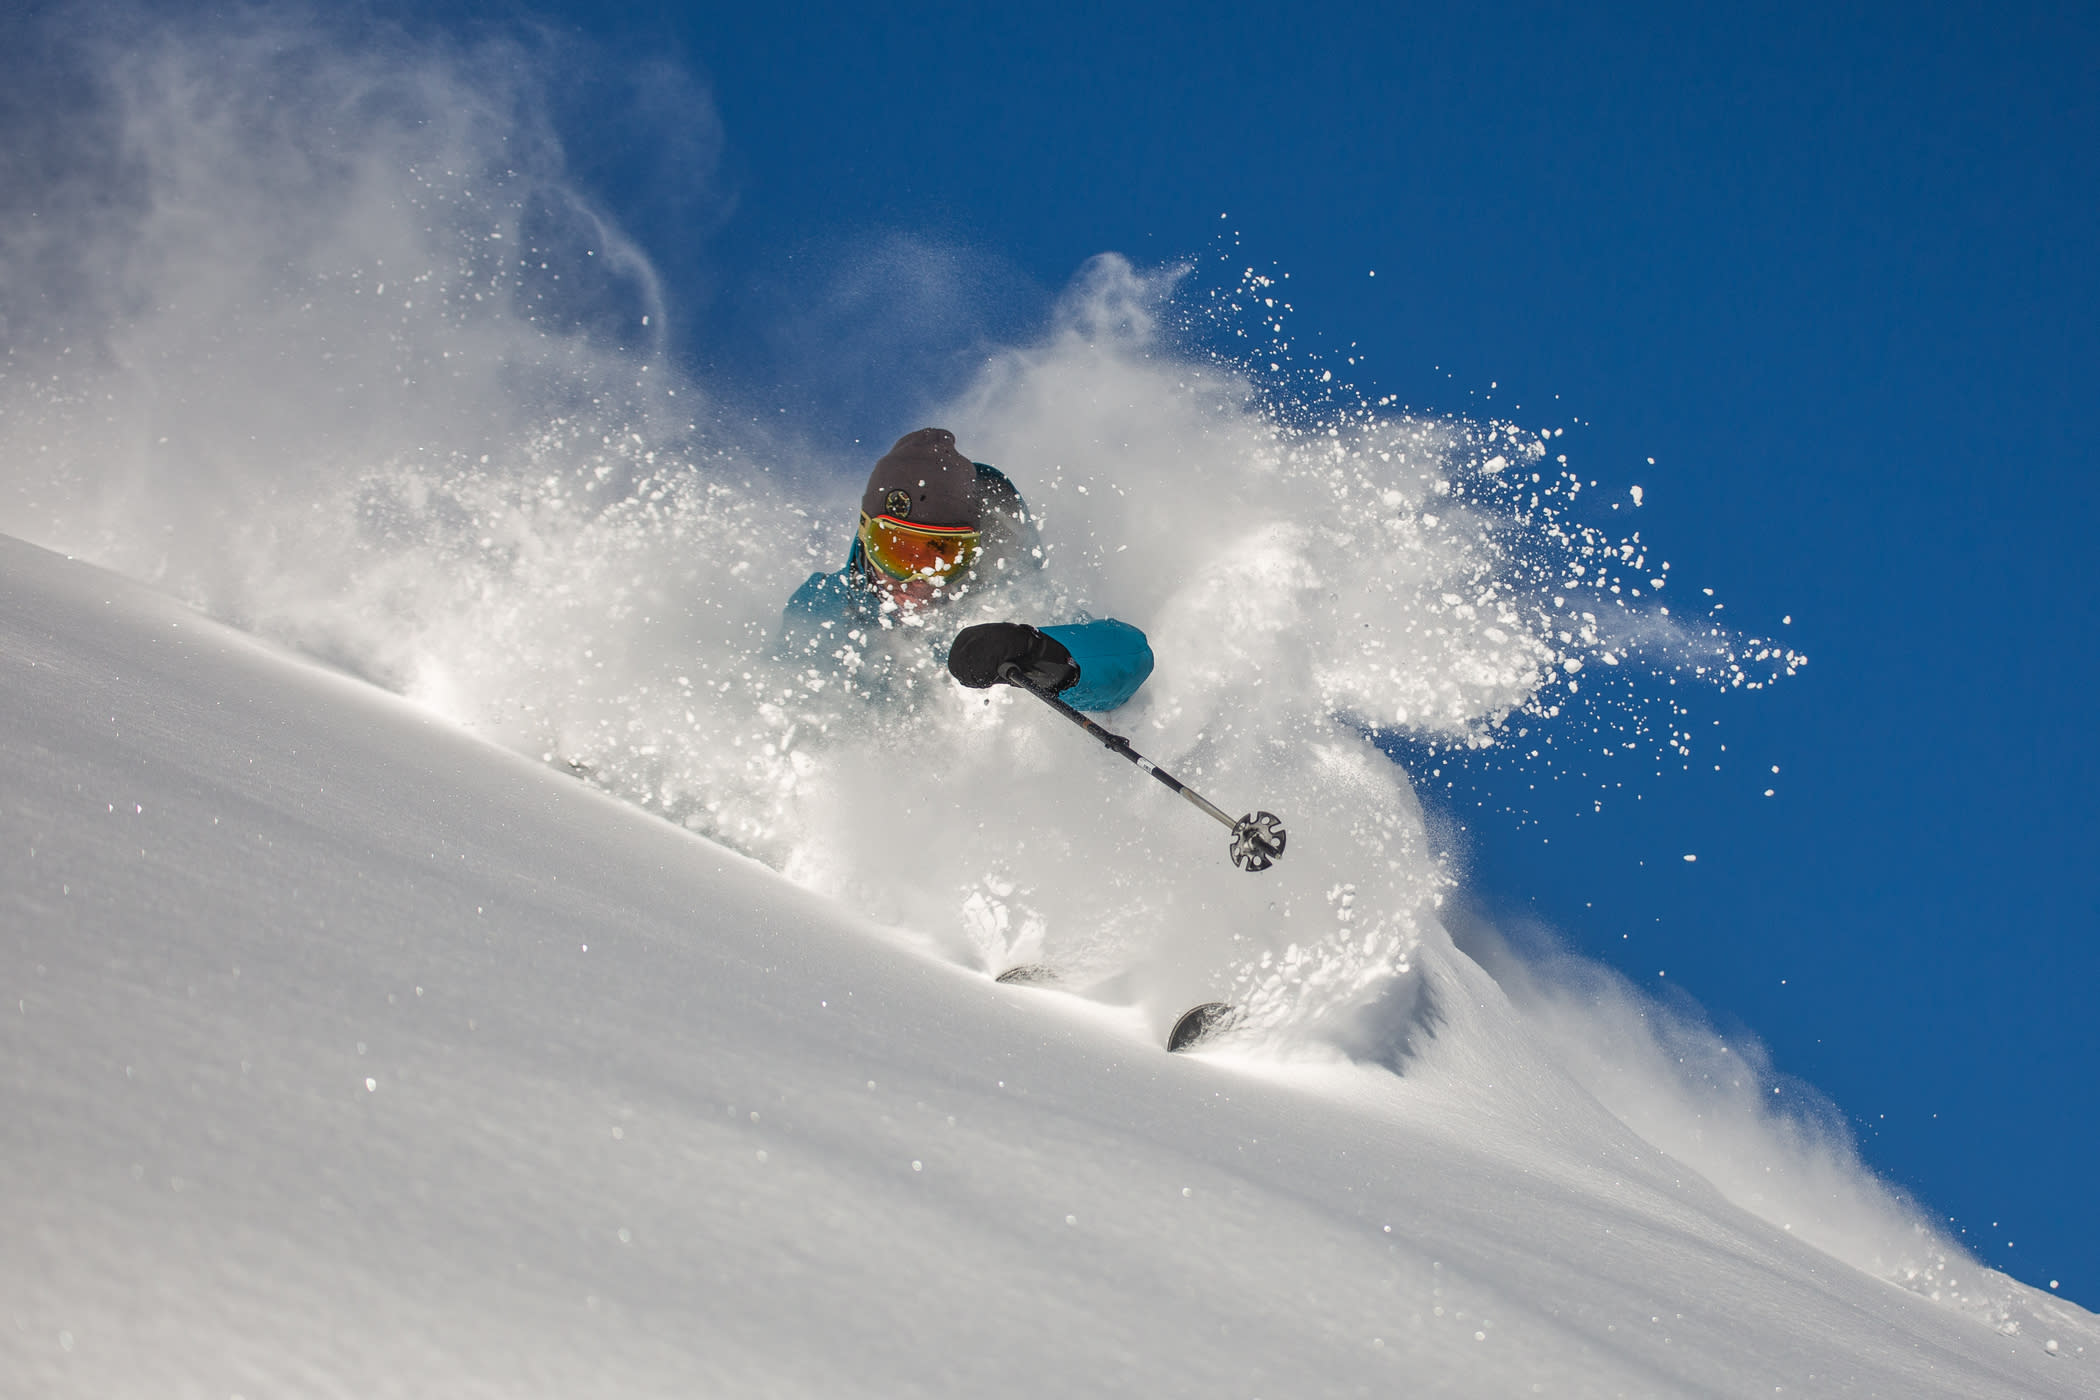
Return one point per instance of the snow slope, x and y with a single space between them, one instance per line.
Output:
348 1054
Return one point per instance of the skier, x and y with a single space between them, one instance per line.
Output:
937 529
943 538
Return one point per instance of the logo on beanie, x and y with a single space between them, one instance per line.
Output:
898 503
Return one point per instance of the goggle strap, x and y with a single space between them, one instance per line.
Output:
942 531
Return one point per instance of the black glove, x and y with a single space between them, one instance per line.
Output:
980 653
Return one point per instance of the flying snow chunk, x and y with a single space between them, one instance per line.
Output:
1690 858
1495 463
1636 495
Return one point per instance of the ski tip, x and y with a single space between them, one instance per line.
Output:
1200 1024
1028 975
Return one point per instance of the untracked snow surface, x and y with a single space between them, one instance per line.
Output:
348 1054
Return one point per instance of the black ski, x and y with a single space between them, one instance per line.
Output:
1202 1023
1195 1026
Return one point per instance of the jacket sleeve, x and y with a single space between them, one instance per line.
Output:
1113 659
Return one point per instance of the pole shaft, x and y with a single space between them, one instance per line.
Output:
1116 743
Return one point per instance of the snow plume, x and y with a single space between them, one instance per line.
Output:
252 269
1768 1142
321 336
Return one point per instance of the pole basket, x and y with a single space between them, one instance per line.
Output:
1257 841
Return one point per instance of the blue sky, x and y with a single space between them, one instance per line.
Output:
1831 269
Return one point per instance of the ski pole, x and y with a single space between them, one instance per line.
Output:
1257 838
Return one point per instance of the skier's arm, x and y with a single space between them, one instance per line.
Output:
817 618
1091 665
1113 659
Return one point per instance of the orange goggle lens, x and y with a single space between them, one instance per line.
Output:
917 551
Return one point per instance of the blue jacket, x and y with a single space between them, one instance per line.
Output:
836 616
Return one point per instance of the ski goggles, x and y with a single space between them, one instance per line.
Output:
917 551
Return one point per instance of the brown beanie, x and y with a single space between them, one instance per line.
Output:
923 479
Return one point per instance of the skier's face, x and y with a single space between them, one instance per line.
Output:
916 593
916 565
